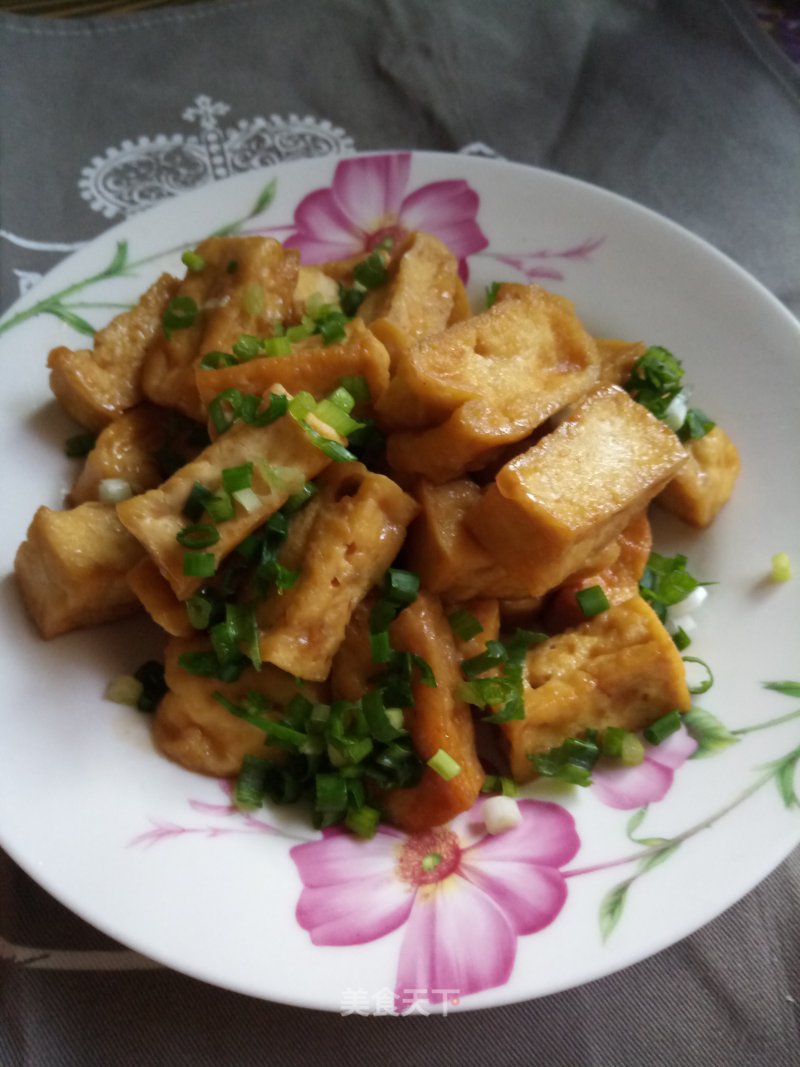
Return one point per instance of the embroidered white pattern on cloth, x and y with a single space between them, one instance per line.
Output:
138 174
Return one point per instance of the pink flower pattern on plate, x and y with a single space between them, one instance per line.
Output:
463 895
368 201
635 787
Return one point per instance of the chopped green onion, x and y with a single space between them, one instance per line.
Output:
666 582
151 675
232 266
380 646
363 821
371 272
193 262
299 499
196 502
464 624
332 449
612 740
277 346
217 360
198 535
224 409
592 601
781 567
632 752
330 793
301 405
299 332
181 313
124 689
199 610
253 416
199 564
332 327
235 478
400 587
491 293
696 424
248 792
357 387
444 765
659 730
336 418
681 639
80 444
351 298
496 783
571 762
248 347
220 506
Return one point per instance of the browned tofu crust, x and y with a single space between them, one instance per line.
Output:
704 485
72 567
620 668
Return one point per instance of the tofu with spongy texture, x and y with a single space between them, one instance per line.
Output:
96 385
554 506
700 489
196 731
249 299
312 366
620 668
158 599
128 448
424 294
71 568
358 525
443 552
156 518
458 397
438 720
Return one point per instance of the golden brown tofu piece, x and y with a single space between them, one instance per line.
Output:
312 366
459 397
617 359
95 386
618 569
158 599
195 730
522 360
438 720
156 518
129 449
358 528
246 286
443 552
423 293
620 668
704 484
353 667
71 568
554 506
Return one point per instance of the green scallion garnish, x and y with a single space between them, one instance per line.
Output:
592 601
80 444
181 313
444 765
193 262
659 730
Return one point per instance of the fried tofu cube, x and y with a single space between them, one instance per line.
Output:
95 386
443 552
700 488
620 668
158 599
438 720
192 728
246 286
458 397
71 568
156 517
312 366
617 359
551 508
424 294
617 570
356 531
130 448
521 361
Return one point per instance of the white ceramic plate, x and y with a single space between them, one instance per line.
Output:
154 856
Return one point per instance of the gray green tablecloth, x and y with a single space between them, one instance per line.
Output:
685 106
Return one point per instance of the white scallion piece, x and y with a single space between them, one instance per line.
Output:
124 689
689 604
675 415
114 490
248 499
501 814
687 623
